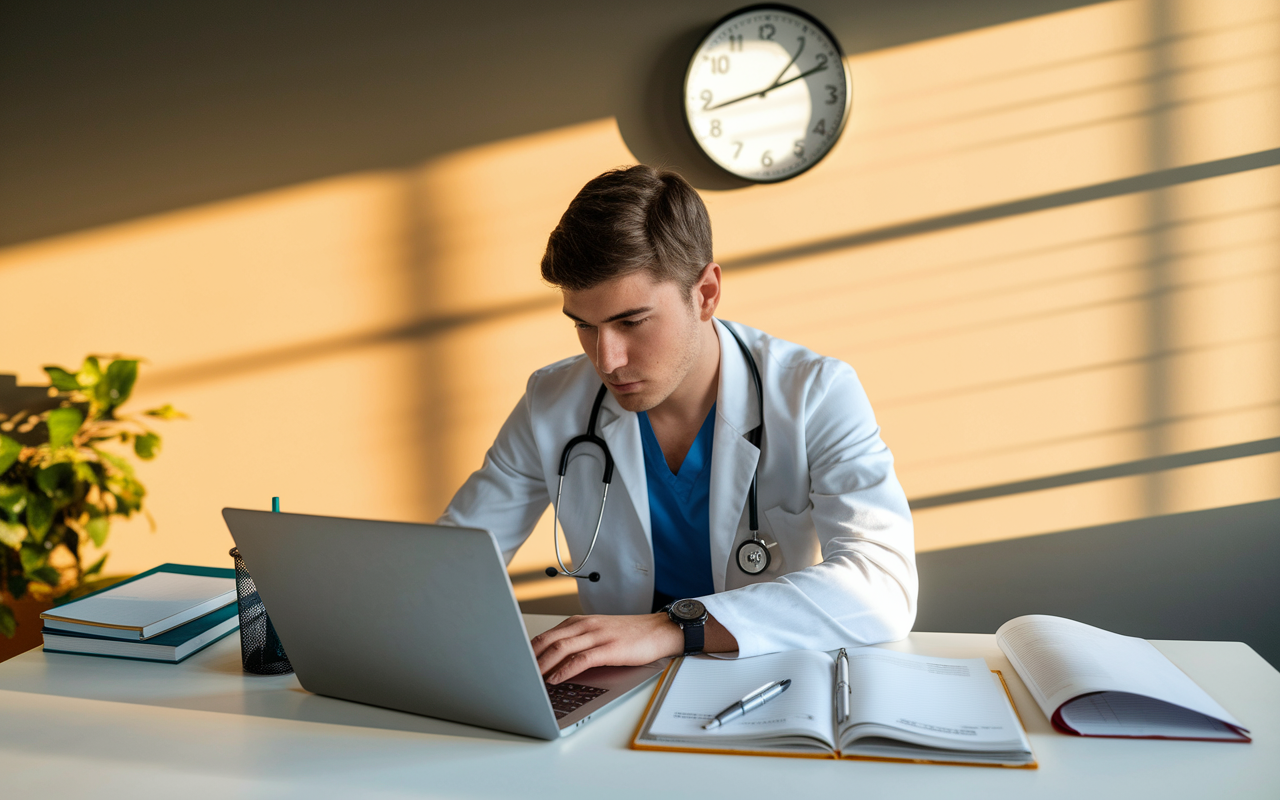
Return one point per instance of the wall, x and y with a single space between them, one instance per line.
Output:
1047 243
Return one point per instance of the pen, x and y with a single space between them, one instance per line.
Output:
751 702
842 686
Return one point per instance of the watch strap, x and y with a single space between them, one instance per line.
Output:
695 634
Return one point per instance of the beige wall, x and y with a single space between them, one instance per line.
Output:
1047 245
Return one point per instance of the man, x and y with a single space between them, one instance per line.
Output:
632 257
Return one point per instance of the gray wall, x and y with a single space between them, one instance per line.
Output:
1208 575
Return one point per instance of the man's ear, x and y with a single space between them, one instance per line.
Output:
706 291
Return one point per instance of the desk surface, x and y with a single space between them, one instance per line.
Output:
203 728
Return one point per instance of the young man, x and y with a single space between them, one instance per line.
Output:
679 414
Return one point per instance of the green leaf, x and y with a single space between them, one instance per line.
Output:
122 466
96 567
62 380
63 425
17 585
121 375
39 515
8 622
12 534
146 445
166 411
9 450
90 372
46 575
98 528
57 480
32 558
12 499
85 473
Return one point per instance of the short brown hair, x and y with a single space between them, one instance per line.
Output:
627 220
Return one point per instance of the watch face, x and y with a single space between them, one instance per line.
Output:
688 609
767 93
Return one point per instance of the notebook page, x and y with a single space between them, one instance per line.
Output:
703 687
1121 714
954 700
147 600
1059 659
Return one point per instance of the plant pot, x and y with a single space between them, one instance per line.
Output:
28 611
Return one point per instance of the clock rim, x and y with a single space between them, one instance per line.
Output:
848 82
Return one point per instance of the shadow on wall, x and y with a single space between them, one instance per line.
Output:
1208 575
165 106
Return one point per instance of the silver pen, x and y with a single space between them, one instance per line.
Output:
842 686
751 702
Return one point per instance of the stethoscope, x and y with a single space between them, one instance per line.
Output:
754 555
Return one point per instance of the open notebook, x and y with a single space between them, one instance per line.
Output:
903 707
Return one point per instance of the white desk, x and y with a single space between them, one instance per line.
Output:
74 726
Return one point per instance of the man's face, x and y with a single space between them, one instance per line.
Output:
640 334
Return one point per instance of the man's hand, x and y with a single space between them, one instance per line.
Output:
580 643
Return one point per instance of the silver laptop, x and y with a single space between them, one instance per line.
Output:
418 618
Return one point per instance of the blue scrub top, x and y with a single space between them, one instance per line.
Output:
679 515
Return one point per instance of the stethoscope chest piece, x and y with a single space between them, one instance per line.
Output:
755 556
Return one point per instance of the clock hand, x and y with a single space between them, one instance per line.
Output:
770 89
787 67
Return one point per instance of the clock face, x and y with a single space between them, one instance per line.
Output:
767 93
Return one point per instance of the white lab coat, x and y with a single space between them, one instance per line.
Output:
827 494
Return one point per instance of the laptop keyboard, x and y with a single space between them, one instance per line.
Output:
569 697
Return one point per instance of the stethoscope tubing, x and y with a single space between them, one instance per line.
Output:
590 437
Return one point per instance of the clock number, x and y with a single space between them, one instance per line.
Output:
799 148
735 42
822 60
832 94
706 99
715 127
766 160
767 31
821 127
737 152
719 64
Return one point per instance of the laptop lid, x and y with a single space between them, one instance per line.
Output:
414 617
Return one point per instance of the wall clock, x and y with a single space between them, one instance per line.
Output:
767 93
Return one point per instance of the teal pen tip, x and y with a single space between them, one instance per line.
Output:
275 504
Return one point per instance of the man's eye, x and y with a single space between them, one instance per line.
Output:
631 323
582 326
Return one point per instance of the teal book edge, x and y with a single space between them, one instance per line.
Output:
148 660
171 638
180 569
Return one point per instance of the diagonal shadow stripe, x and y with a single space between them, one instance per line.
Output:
1099 191
1142 466
230 366
433 326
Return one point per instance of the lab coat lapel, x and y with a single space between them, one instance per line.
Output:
733 457
621 432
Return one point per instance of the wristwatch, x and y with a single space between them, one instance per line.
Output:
691 616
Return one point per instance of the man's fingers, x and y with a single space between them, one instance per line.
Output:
561 650
578 663
573 626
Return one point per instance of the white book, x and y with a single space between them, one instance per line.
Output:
902 707
1092 682
143 607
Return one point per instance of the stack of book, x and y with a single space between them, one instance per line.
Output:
165 614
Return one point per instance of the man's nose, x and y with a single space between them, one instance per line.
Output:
611 352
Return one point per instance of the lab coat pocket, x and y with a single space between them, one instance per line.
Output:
797 541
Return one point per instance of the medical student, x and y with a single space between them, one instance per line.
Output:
674 565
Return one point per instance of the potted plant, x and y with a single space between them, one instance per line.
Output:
64 475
